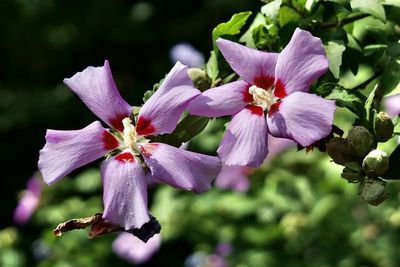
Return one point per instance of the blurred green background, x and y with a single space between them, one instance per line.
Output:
297 212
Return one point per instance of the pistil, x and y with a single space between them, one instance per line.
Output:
261 97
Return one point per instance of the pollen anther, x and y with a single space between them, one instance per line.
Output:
261 97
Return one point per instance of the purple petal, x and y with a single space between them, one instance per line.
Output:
66 151
392 105
301 62
224 100
302 117
134 250
245 141
125 191
29 201
255 67
186 54
96 88
233 177
277 145
180 168
161 112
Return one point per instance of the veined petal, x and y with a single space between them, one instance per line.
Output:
392 105
96 88
245 141
301 62
162 111
125 191
255 67
180 168
66 151
224 100
302 117
277 145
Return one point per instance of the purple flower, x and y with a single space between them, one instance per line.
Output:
236 177
29 201
275 85
134 250
392 105
186 54
124 178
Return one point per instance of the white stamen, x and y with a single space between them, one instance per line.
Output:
261 97
130 135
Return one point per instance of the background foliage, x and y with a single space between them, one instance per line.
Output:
298 211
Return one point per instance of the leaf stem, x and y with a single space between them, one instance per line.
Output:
343 21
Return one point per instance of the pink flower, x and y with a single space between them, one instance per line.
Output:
271 98
392 105
124 178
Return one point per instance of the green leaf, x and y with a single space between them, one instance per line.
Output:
334 52
232 27
287 15
394 162
391 2
391 78
271 10
212 69
149 93
350 99
247 37
264 38
369 108
186 129
371 7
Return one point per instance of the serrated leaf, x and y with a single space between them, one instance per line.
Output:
391 78
231 27
186 129
149 93
350 99
334 52
371 7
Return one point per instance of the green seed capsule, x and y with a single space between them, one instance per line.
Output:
375 163
361 140
383 127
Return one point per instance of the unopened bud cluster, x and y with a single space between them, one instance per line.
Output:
363 162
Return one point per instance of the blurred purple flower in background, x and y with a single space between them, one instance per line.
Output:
216 259
236 177
134 250
29 201
392 105
186 54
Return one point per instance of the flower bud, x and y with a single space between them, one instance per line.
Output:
360 140
339 150
374 191
375 163
383 127
352 172
199 78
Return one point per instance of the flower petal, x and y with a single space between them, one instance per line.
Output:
125 191
134 250
66 151
180 168
224 100
96 88
301 62
277 145
302 117
255 67
392 105
245 141
234 177
162 111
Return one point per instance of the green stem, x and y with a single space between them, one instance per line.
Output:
343 21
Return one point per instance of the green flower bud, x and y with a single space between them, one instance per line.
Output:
360 140
199 78
339 150
374 191
352 172
383 127
375 163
